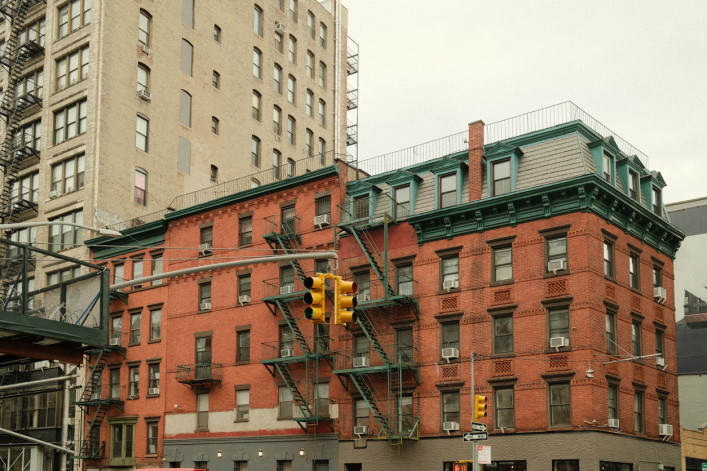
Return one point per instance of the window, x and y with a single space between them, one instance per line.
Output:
276 119
285 403
152 435
310 64
503 334
363 280
322 35
142 129
141 186
74 15
28 236
258 21
565 465
447 190
184 155
143 78
659 343
242 404
361 346
204 296
610 466
244 285
157 261
217 33
116 329
284 465
290 167
185 108
118 273
202 411
610 332
133 382
206 236
449 272
501 177
30 135
240 465
504 408
122 442
608 259
287 280
636 347
322 112
278 42
310 24
558 320
135 321
320 150
362 416
243 352
114 383
560 405
292 49
155 324
25 189
308 102
70 122
322 74
255 151
256 106
214 129
634 270
291 130
62 237
34 32
143 28
288 221
188 13
137 271
291 84
401 195
70 69
293 10
34 83
633 185
286 338
361 207
203 357
276 163
657 276
216 80
656 201
662 410
606 168
63 275
153 384
556 250
450 335
450 406
245 231
404 345
613 401
638 411
322 400
280 5
502 263
404 280
277 78
257 63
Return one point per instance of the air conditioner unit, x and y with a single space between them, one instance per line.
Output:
244 299
364 296
277 137
205 248
360 362
450 426
665 429
449 353
556 265
280 28
54 194
286 352
146 50
450 284
322 219
613 423
287 289
659 294
153 391
660 362
360 430
557 342
205 306
40 365
144 94
131 396
115 341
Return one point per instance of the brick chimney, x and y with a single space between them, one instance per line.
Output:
476 159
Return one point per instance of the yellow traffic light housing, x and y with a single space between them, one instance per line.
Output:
479 407
344 301
316 298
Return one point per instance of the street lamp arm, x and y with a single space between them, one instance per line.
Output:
22 225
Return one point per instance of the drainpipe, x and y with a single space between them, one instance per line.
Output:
64 425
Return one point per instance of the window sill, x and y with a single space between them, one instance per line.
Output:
152 395
636 290
502 282
610 278
154 340
559 273
443 362
442 292
136 344
550 350
503 355
244 362
241 420
284 418
203 429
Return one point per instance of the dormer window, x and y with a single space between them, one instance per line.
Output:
402 201
633 185
656 201
447 190
606 168
501 177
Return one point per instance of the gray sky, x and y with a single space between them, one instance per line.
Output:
428 68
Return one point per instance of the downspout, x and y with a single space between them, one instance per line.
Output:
64 425
337 79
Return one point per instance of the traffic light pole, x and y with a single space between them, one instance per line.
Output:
475 464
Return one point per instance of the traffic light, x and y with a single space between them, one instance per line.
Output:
316 297
479 407
344 301
462 465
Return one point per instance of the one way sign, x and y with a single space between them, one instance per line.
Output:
474 436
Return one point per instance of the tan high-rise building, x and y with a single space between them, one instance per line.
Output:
111 109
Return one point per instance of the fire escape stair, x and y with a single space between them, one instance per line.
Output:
297 397
366 242
369 330
274 239
367 394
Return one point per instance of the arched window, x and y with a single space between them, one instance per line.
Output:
185 108
187 56
255 151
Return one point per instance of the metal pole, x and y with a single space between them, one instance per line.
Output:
36 440
64 425
474 465
34 383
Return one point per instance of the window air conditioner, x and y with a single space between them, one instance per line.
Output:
244 299
205 248
115 341
665 429
450 284
287 289
360 362
54 194
450 426
660 362
153 391
360 430
286 352
449 353
557 342
280 28
205 306
321 220
277 137
144 95
556 265
659 294
146 49
613 423
364 296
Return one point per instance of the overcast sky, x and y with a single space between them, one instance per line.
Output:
428 68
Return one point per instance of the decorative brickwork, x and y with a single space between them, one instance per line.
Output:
638 373
450 372
661 380
503 367
556 288
636 303
448 304
613 368
558 362
611 291
659 313
502 296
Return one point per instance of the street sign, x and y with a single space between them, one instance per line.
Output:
704 465
478 427
484 454
473 436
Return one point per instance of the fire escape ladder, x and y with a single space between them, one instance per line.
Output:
372 253
287 250
368 395
292 322
395 394
370 331
297 396
94 378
